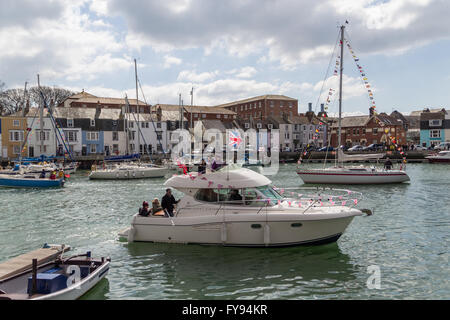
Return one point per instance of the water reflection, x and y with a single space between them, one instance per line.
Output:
208 272
99 292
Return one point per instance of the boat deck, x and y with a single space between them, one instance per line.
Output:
23 262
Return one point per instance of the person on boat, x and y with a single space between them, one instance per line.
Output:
144 211
168 202
388 164
53 176
202 167
42 175
235 196
156 208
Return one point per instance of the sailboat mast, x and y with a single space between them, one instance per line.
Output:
41 120
340 86
137 106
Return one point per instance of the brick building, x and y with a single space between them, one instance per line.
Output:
365 130
262 107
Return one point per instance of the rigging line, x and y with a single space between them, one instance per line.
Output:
326 74
151 118
360 77
138 125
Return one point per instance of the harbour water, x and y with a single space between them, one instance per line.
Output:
407 238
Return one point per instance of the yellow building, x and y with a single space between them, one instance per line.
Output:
13 133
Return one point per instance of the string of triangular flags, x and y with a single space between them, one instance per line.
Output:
363 75
399 148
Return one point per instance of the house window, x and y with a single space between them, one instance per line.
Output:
142 124
225 116
270 126
260 104
71 136
195 115
242 107
92 136
16 123
435 123
290 104
259 125
131 124
159 135
115 148
375 131
93 148
281 104
16 135
272 104
132 147
115 136
92 122
203 116
158 125
42 136
43 149
435 133
70 123
218 116
247 125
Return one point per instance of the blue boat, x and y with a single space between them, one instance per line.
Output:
29 181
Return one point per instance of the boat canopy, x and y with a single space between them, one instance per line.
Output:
235 179
358 157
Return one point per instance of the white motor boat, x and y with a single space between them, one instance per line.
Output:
262 218
127 171
441 157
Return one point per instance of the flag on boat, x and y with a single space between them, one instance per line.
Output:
235 139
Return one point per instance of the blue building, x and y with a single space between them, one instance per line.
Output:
432 127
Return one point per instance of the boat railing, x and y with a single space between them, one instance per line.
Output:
311 197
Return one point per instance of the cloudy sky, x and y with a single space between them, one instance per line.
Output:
233 49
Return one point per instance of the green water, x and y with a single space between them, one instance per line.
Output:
407 237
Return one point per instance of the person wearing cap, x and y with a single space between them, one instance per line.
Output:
144 211
168 202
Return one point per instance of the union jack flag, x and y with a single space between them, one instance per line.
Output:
234 139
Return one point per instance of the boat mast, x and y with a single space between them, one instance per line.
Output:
41 116
137 106
340 88
192 104
125 126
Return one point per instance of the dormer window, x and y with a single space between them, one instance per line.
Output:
259 125
92 122
435 123
69 123
247 125
270 126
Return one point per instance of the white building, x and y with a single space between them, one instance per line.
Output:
40 143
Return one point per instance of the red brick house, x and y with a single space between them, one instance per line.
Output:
262 107
365 130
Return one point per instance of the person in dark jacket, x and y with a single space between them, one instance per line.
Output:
144 211
202 167
168 201
388 164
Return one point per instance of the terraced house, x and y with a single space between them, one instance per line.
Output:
13 133
434 127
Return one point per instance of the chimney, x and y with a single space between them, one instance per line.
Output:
310 107
371 111
159 114
322 107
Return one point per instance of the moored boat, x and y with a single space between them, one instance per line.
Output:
127 171
441 157
241 208
53 278
30 181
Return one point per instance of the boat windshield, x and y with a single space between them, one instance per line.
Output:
269 193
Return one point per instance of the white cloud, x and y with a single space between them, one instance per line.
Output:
169 61
192 76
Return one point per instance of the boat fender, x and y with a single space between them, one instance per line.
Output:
223 235
266 234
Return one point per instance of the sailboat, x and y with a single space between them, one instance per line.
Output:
340 174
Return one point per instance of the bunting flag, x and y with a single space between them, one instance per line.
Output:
363 76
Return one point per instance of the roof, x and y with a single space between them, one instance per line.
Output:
196 109
119 101
82 95
264 97
418 113
354 121
236 179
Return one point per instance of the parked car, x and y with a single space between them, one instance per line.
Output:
356 148
286 149
418 147
373 147
442 146
330 148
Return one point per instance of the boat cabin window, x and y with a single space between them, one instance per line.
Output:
228 196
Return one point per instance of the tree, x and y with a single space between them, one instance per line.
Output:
13 100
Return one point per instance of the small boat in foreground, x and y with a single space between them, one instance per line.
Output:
441 157
44 274
239 207
29 181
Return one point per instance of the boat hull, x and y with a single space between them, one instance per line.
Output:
14 182
282 231
127 174
331 177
